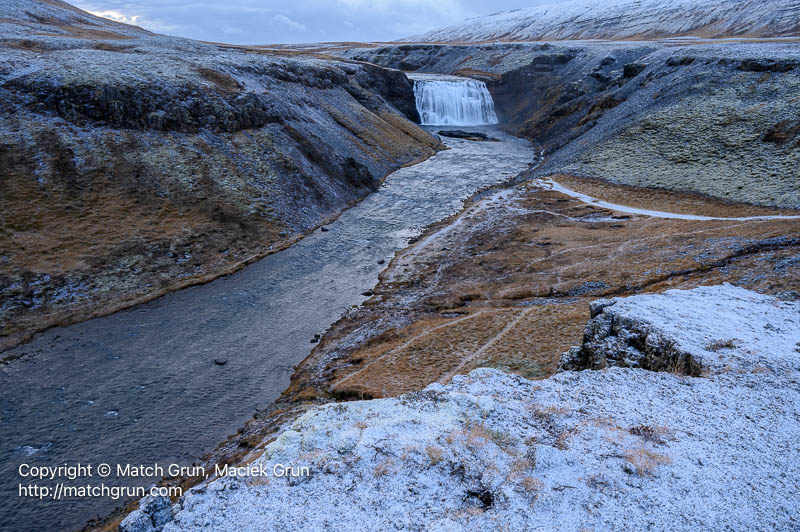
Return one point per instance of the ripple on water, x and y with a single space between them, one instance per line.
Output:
29 450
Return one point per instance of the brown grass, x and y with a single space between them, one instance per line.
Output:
719 345
532 485
435 454
104 46
645 461
86 229
479 74
383 468
599 108
520 466
537 259
222 81
27 45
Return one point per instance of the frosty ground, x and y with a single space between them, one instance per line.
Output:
619 449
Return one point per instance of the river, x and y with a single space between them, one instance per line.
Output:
141 386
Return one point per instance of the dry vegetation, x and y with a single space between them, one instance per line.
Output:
435 454
645 461
721 344
383 468
510 287
532 485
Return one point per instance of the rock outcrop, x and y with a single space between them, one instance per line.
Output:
133 163
710 328
621 449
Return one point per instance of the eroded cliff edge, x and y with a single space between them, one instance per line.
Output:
132 164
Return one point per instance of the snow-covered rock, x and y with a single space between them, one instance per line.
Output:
625 19
621 449
710 328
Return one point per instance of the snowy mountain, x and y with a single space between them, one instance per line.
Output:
629 19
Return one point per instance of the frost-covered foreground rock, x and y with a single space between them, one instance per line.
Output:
711 328
620 449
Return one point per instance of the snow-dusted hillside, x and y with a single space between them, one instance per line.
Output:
625 19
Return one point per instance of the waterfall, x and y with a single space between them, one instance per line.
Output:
450 101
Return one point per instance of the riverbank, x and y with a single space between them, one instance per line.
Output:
261 320
608 448
208 264
508 283
138 164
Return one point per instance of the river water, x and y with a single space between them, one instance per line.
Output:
141 386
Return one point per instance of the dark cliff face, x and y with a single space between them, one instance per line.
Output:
192 105
392 85
133 163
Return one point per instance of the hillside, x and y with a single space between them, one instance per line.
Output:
134 164
629 19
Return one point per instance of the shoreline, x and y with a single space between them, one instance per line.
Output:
13 341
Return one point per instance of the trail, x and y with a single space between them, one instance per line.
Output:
553 185
513 323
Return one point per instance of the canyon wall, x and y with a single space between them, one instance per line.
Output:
716 119
132 164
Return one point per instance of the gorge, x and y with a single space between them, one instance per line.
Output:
118 400
217 254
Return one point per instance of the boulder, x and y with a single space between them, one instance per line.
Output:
467 135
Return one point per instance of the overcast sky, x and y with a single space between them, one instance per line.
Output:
296 21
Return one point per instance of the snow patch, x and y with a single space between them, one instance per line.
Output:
622 449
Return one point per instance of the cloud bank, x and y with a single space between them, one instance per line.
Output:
272 21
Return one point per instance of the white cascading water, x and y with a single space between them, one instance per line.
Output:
451 102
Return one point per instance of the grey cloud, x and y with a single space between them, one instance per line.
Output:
269 21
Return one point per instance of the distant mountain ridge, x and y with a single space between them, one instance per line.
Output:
629 19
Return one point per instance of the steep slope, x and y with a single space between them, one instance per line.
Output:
629 19
132 164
